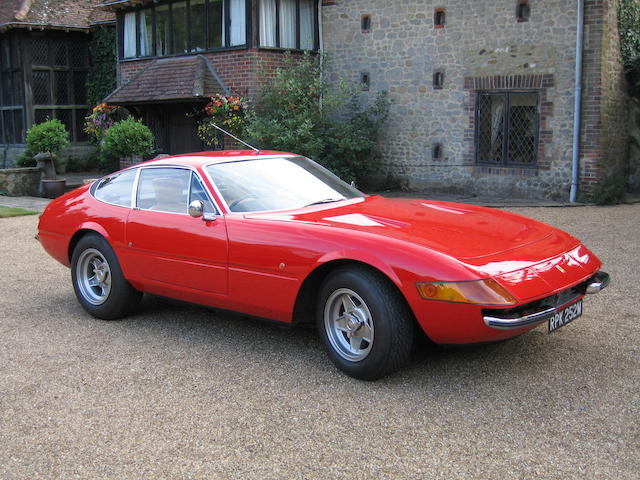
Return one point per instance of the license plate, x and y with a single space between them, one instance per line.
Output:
564 316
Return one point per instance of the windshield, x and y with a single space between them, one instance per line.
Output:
265 184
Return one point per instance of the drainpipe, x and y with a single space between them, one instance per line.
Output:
575 160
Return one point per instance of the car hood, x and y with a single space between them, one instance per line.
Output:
466 232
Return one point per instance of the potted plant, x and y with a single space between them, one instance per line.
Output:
48 138
128 141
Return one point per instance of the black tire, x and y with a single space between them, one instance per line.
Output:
98 281
378 326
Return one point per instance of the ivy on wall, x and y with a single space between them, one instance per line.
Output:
101 80
629 30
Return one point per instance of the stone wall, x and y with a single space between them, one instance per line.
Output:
76 151
20 181
402 50
8 156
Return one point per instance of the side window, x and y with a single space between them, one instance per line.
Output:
164 189
198 193
116 189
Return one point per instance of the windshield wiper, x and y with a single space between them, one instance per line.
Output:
324 200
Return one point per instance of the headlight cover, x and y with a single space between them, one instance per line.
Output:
479 292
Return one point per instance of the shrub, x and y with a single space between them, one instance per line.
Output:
611 191
297 112
227 112
127 138
50 136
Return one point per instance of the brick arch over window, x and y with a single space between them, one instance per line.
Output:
507 84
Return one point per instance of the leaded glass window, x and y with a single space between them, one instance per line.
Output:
507 126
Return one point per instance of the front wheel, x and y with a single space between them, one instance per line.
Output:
98 281
366 326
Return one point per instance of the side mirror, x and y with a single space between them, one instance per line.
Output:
196 209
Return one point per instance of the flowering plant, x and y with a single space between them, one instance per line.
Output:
101 118
227 112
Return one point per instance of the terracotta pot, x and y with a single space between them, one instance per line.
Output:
53 188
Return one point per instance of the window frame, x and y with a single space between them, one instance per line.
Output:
316 32
226 38
507 94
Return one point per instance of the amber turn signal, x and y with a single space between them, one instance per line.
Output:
482 292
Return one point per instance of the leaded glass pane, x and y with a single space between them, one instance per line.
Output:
65 117
59 51
78 54
41 88
39 51
490 127
80 88
523 128
61 87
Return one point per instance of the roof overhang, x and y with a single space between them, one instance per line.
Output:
115 4
189 78
42 26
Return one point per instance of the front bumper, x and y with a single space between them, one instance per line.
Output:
595 284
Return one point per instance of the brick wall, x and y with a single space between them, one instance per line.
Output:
245 72
605 146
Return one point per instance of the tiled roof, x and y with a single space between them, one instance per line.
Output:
78 14
178 78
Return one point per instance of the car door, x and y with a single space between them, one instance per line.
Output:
168 247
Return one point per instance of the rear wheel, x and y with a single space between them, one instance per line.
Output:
98 281
366 326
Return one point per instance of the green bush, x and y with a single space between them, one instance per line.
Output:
629 31
611 191
50 136
25 159
297 112
127 138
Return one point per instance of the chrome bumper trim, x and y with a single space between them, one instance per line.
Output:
511 323
600 281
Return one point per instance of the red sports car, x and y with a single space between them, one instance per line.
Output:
275 235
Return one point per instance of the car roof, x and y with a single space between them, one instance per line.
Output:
197 159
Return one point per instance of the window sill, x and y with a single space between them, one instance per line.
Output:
185 54
280 49
506 170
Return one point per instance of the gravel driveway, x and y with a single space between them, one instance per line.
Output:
179 392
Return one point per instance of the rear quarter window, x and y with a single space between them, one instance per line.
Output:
116 189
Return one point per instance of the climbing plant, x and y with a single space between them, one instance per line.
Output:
101 80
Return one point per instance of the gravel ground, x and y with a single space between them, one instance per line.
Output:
178 392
